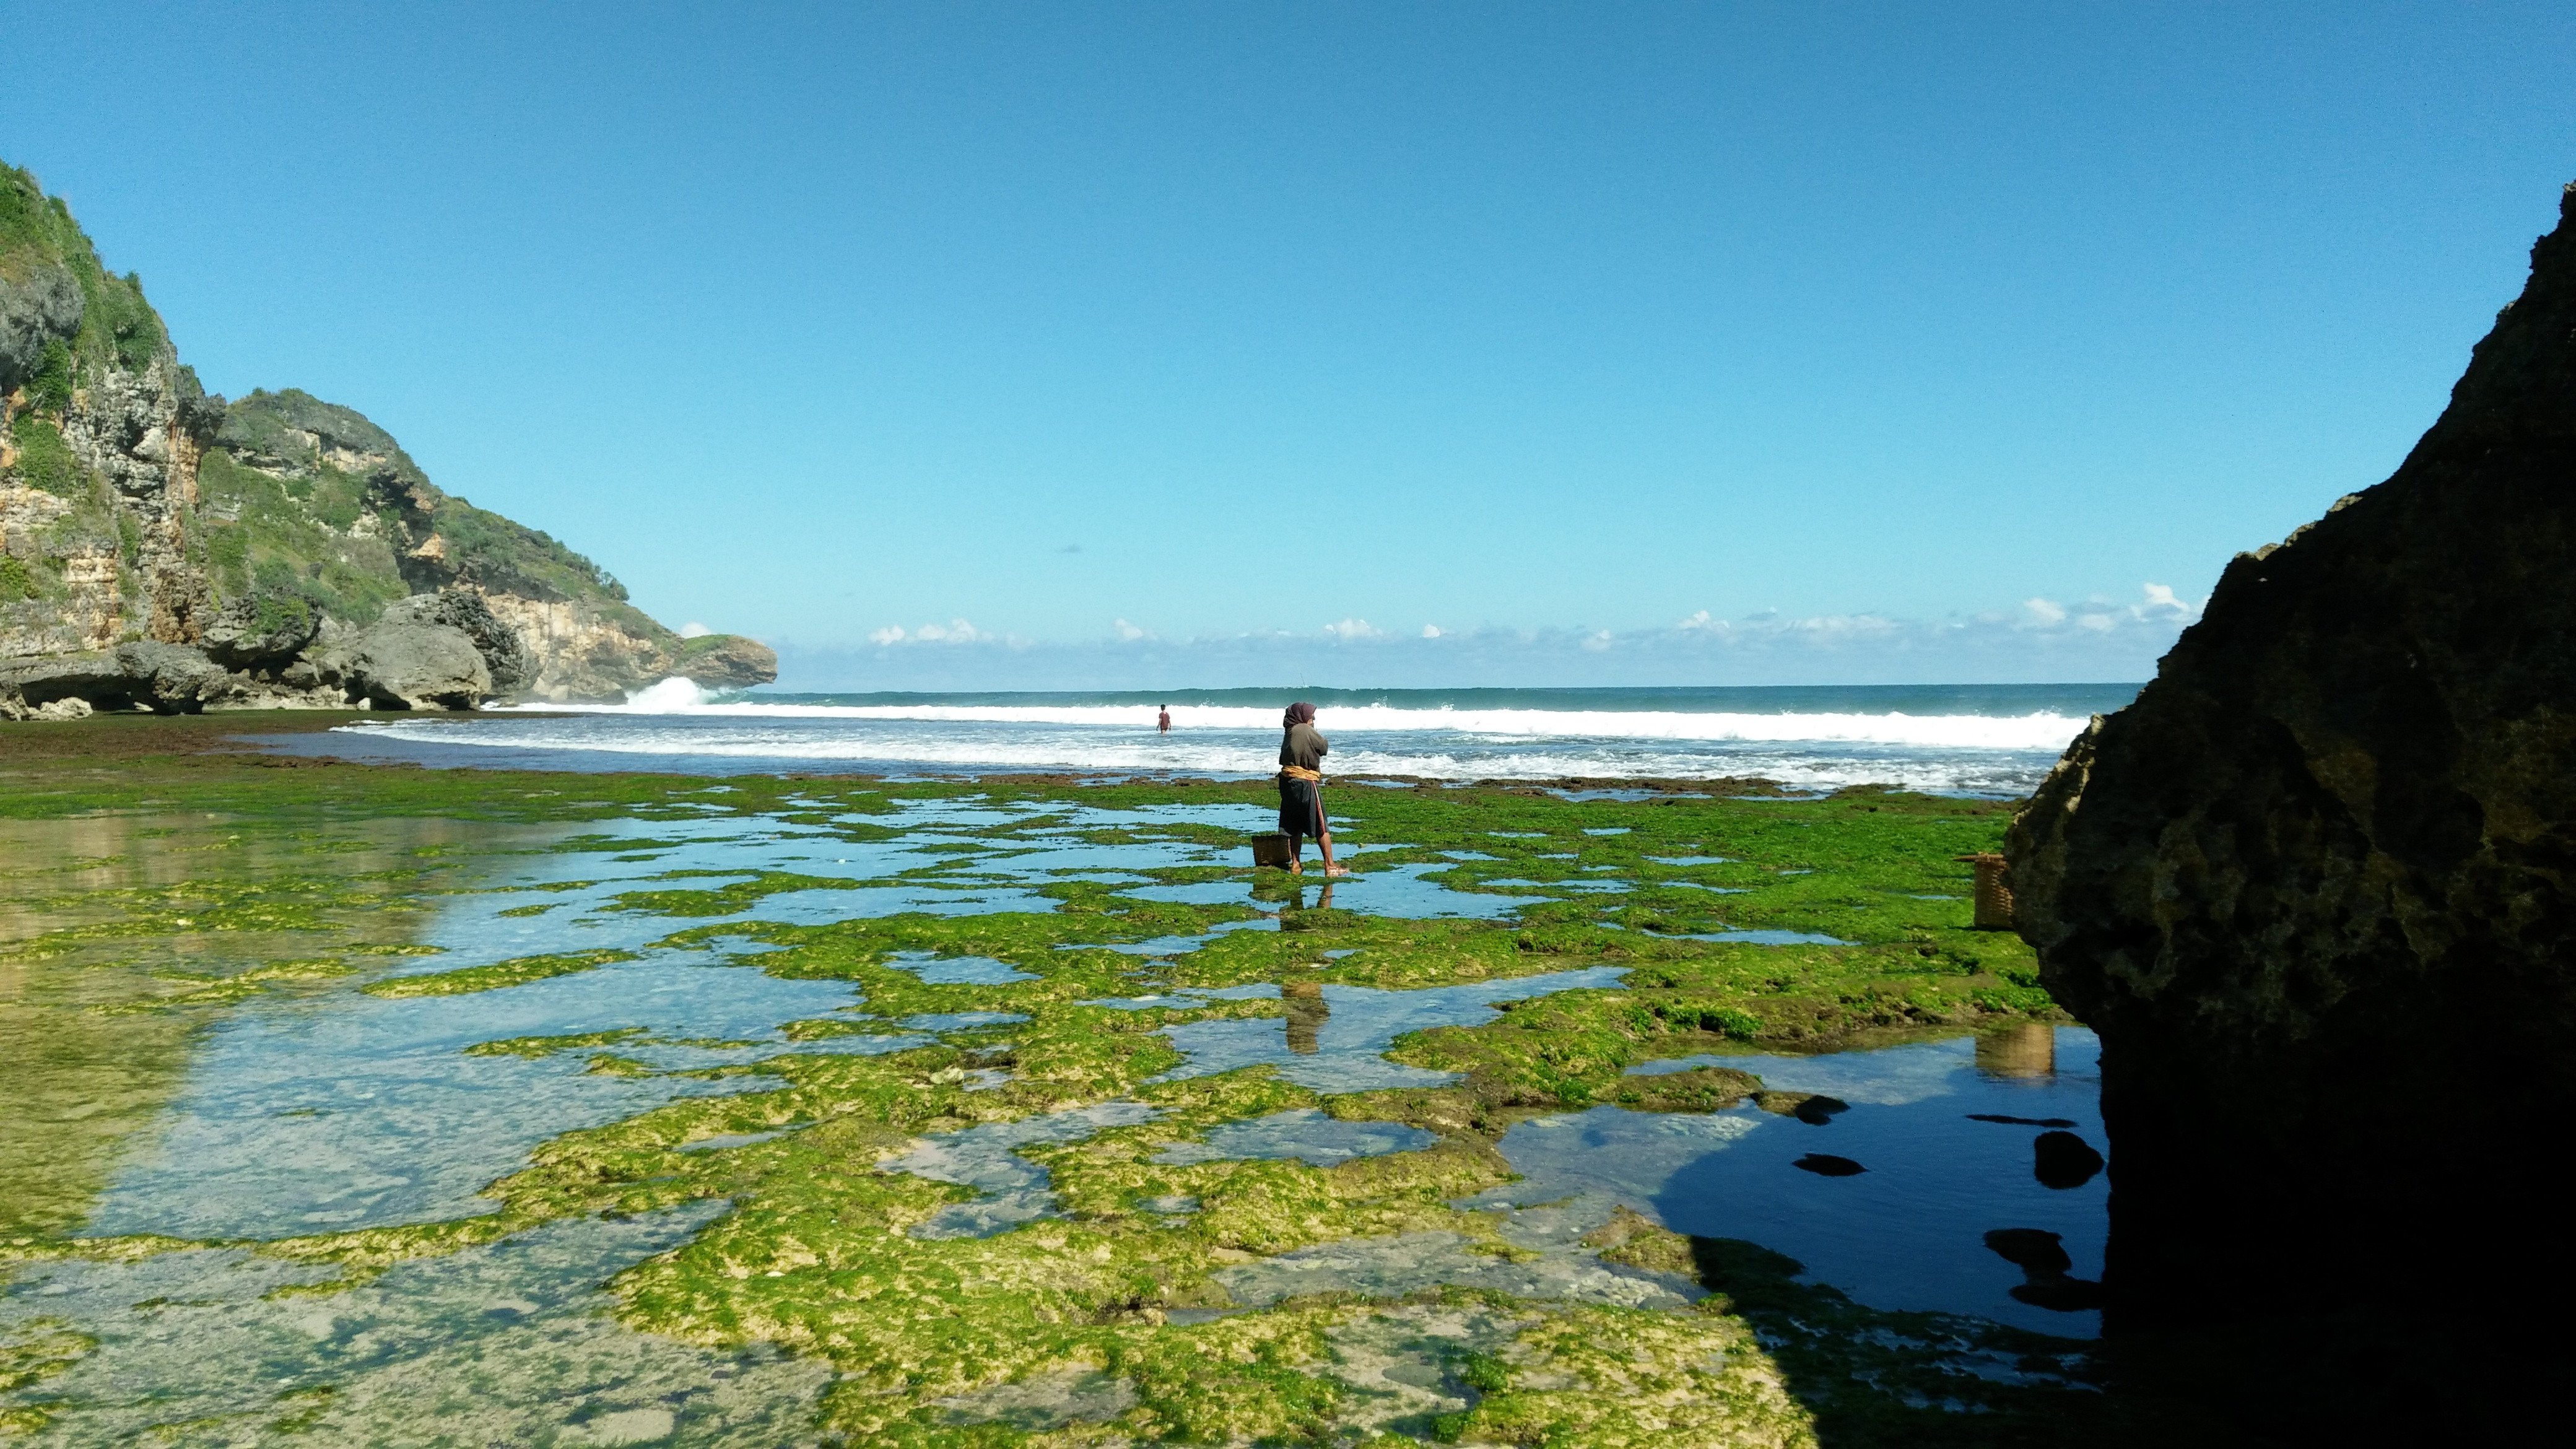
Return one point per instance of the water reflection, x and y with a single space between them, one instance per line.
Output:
2026 1052
1938 1130
1355 1025
1307 1013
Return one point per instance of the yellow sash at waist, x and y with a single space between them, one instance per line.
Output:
1298 772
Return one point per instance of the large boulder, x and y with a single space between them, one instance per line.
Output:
2316 888
505 653
398 664
261 630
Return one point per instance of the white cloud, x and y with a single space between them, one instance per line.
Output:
1700 620
1430 631
694 630
1597 640
1130 632
1353 629
955 631
2047 613
2161 596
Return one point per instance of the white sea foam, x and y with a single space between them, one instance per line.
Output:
2045 730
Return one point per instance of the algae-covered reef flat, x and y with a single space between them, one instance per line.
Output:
557 1108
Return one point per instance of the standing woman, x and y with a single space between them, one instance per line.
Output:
1301 788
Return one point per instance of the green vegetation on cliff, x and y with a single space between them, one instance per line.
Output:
336 468
118 328
135 507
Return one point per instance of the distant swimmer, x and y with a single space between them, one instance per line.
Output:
1163 722
1301 787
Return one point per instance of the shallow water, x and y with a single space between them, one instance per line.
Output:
987 1157
1906 1233
351 1111
1335 1040
320 1107
506 1344
1304 1134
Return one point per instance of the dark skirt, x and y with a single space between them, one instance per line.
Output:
1301 808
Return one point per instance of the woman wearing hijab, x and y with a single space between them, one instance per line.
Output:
1301 787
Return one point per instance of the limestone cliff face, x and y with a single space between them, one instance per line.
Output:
2316 888
135 509
100 431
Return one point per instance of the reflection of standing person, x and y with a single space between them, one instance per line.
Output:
1163 721
1301 787
1307 1013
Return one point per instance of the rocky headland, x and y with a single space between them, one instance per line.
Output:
2314 891
163 549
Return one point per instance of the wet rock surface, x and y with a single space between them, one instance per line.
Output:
2315 883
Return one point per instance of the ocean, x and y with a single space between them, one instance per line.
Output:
1974 740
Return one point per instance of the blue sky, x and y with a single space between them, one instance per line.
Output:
1218 344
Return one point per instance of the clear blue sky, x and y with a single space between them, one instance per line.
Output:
1875 334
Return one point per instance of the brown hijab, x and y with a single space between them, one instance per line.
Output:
1299 713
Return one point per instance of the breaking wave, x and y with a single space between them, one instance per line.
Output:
1998 741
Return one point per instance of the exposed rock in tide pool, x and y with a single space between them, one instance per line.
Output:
2063 1160
2316 888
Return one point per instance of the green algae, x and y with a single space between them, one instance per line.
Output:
816 1251
517 971
533 1047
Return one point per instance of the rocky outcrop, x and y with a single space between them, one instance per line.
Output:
163 678
725 661
134 508
506 657
42 307
399 664
2316 888
262 630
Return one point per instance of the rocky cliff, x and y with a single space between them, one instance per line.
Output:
2314 887
162 549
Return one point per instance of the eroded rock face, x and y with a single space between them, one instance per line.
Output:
404 665
261 630
505 654
2314 887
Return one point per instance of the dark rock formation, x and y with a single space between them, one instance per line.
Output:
1808 1107
2045 1270
2063 1160
2314 887
1826 1164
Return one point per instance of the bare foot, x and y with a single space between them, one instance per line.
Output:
1295 869
1337 870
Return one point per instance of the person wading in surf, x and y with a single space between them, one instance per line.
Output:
1301 788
